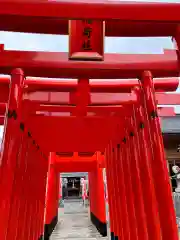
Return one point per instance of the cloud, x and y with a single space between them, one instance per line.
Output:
137 44
40 42
34 42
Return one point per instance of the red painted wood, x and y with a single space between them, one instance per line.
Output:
158 162
114 66
31 24
102 10
86 40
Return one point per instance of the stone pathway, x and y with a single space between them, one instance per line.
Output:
74 224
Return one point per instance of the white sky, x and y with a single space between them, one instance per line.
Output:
22 41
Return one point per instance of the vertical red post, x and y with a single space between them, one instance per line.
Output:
145 169
118 234
111 192
82 98
52 195
38 186
126 167
40 193
43 183
29 194
97 201
136 180
37 175
10 149
18 197
159 166
32 187
22 208
57 192
122 197
60 187
134 155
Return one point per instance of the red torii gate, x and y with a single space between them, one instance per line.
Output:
50 86
173 83
132 141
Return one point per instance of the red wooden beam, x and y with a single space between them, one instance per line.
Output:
110 86
72 137
31 24
100 110
104 101
57 65
1 120
166 111
75 166
101 86
162 112
162 99
95 85
72 164
75 156
90 109
102 10
168 99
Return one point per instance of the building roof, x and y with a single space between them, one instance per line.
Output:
170 124
75 174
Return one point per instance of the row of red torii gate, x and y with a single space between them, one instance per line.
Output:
55 125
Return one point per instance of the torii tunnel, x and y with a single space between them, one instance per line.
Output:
84 110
